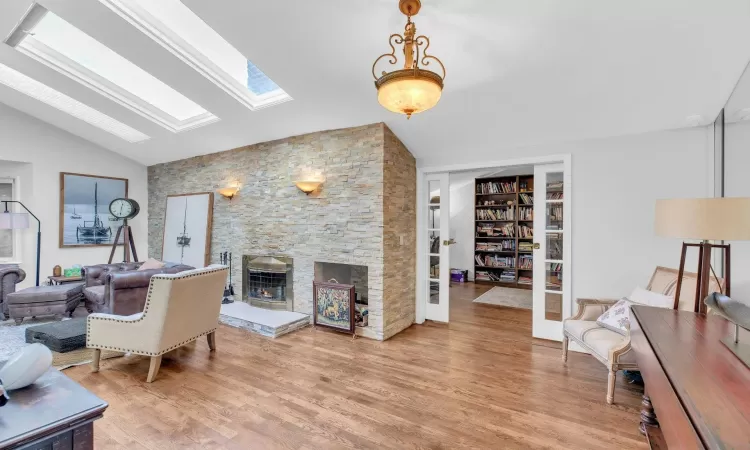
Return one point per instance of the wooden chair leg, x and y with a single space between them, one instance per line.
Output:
95 360
153 368
565 349
611 386
211 338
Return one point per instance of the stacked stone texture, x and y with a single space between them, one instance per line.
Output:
352 219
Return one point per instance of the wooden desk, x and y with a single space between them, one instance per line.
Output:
699 390
63 280
53 413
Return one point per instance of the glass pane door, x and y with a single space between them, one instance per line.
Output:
551 271
438 246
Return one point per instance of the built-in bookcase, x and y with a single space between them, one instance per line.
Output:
504 231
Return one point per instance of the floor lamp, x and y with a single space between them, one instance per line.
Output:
16 221
706 220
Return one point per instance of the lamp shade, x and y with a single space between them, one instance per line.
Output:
713 219
13 221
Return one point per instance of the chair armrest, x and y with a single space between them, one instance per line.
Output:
616 352
591 309
122 333
10 271
129 280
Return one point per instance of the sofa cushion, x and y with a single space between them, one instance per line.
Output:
151 263
94 294
597 339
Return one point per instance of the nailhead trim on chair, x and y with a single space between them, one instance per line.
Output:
158 277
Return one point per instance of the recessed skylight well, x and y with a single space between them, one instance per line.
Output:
56 43
175 27
33 88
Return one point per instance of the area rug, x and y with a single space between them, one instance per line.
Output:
13 339
513 298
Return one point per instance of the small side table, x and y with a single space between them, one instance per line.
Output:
55 412
63 280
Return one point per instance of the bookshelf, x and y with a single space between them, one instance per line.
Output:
503 237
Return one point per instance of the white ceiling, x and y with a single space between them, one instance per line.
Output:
518 72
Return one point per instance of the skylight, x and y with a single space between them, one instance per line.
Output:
21 83
174 26
51 40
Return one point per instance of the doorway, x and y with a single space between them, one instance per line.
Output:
506 228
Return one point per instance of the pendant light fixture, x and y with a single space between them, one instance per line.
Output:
412 89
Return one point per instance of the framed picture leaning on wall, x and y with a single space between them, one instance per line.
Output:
187 229
333 306
85 220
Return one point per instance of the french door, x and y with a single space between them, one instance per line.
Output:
552 290
436 242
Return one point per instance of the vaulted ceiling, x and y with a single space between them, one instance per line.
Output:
518 72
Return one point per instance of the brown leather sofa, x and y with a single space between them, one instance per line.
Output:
120 288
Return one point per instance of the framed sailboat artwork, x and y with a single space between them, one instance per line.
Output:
187 229
85 220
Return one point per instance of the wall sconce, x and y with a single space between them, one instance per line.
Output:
228 192
308 186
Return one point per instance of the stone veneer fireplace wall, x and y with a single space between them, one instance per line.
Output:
364 214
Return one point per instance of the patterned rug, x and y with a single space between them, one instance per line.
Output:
513 298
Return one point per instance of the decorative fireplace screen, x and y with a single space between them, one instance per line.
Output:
267 281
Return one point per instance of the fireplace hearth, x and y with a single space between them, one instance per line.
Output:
267 281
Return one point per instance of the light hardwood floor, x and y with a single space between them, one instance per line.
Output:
480 382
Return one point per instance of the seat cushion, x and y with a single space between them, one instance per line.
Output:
62 337
43 294
94 294
597 339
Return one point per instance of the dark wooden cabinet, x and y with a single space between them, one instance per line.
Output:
698 389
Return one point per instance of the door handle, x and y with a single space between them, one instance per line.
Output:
449 242
537 246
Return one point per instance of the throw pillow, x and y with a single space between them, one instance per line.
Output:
151 263
617 318
649 298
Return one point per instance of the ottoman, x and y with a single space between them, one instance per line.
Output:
44 301
61 337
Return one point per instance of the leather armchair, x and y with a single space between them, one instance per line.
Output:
9 277
179 309
120 288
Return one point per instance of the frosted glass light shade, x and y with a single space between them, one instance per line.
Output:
713 219
13 221
409 94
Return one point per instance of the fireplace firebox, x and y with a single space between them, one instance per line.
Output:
267 281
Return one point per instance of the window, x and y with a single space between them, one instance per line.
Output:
175 27
7 241
20 82
51 40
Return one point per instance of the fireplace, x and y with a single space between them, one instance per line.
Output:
267 281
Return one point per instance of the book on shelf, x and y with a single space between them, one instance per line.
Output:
525 246
507 245
554 195
496 214
489 230
523 186
554 267
508 276
525 231
554 185
526 262
496 187
524 279
526 199
495 261
525 214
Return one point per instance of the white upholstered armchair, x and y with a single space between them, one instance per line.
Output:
179 309
613 349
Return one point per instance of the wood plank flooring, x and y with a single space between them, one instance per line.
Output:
480 382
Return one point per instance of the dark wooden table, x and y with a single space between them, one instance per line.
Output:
697 391
63 280
53 413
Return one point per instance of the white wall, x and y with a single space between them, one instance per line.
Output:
47 151
616 182
737 184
